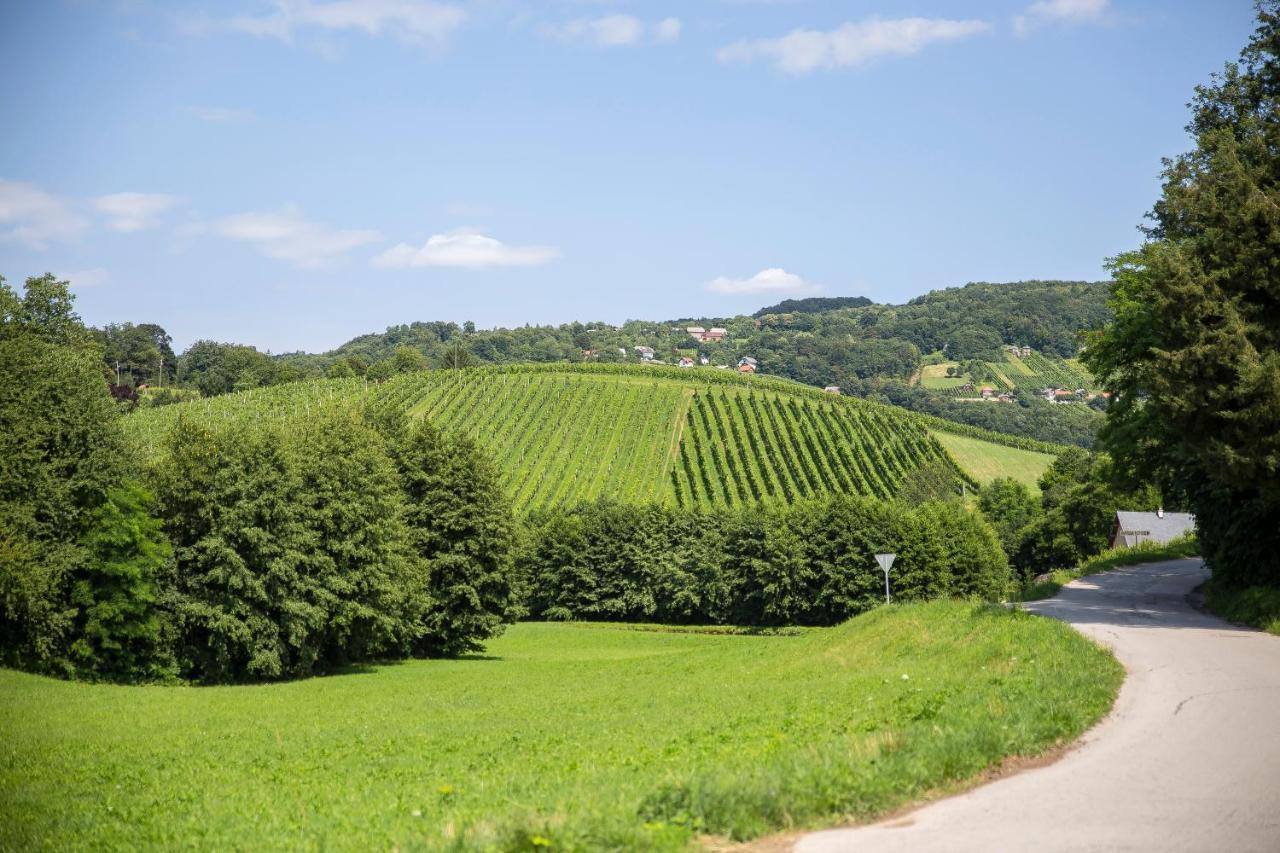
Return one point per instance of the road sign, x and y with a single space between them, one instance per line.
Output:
886 563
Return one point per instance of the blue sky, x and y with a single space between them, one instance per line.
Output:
292 174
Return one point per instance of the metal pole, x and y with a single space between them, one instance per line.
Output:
886 586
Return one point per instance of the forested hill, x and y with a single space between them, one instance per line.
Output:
837 336
867 349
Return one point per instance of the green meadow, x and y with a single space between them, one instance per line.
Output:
985 461
562 736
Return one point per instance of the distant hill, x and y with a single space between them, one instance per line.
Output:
697 437
813 305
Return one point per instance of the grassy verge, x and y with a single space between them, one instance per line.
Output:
1143 552
1256 606
565 736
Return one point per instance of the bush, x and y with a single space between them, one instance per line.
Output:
807 564
292 553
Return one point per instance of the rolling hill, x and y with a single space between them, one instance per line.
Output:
701 437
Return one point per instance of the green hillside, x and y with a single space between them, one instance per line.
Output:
563 433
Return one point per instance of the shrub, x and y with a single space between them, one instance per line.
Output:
292 553
811 563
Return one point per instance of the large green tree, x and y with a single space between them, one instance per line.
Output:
78 554
1193 356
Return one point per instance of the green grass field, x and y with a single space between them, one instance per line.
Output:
985 461
563 737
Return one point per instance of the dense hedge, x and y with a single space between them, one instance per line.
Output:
810 563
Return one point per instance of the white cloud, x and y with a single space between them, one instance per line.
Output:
34 217
615 30
467 250
1050 12
221 115
410 20
668 29
288 235
802 51
86 278
134 211
772 280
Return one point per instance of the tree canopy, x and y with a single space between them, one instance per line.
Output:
1193 357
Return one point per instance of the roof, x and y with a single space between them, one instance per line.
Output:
1151 527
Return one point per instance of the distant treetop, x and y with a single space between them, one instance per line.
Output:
813 305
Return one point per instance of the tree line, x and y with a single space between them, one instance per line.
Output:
247 550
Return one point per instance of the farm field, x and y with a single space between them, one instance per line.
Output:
985 461
934 376
563 736
688 438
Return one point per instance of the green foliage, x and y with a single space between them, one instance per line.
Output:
1079 500
807 564
292 553
582 736
1193 357
117 630
1256 606
935 481
213 368
61 454
137 354
460 525
1009 506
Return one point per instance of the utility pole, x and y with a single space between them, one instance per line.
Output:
161 371
117 373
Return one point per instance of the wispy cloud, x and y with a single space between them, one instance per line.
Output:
288 235
414 21
94 277
34 217
1052 12
466 250
772 280
221 115
855 43
134 211
615 30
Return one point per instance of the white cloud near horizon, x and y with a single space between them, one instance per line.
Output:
614 30
34 217
288 235
1050 12
772 280
851 44
134 211
465 250
414 21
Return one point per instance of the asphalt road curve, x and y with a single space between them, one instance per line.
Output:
1189 758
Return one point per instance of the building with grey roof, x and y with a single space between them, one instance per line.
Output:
1159 526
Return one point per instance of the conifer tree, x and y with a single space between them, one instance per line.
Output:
1193 357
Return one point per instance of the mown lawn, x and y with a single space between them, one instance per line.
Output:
565 736
986 461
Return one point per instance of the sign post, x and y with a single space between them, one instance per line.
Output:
886 563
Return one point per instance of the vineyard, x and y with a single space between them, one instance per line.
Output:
562 434
1036 372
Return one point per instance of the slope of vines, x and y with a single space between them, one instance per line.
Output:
562 434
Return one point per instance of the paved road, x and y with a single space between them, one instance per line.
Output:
1189 759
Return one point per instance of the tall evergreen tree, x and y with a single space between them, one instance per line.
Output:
460 523
1193 356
